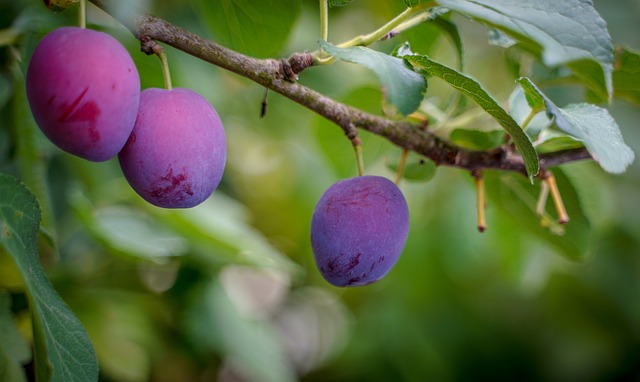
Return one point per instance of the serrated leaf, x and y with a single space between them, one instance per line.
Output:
569 32
256 28
403 87
626 75
338 3
593 126
474 90
63 351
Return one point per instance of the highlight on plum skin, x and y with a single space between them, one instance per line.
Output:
358 230
83 90
176 154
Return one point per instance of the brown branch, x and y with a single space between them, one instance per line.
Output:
280 76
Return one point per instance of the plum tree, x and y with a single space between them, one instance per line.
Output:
358 230
83 89
176 153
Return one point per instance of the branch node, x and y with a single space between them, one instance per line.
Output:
300 61
287 71
149 46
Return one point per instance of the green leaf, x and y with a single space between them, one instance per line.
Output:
250 342
63 351
569 32
592 125
403 87
127 231
516 200
626 75
477 139
413 3
338 3
256 28
14 350
474 90
417 168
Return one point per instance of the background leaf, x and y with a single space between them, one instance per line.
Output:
474 90
338 3
626 75
256 28
403 87
569 32
14 350
63 351
592 125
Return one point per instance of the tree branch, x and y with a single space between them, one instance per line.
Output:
280 76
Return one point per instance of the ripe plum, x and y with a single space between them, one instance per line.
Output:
358 230
176 153
83 89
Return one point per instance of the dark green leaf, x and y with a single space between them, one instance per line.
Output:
338 3
477 139
63 351
451 30
516 200
403 87
592 125
626 75
569 32
474 90
256 28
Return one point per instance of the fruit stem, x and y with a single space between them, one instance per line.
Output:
550 180
324 20
482 204
357 146
165 66
82 14
401 165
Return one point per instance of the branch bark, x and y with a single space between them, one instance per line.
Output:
280 75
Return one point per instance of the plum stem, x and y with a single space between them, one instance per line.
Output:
357 146
482 203
82 14
401 165
165 67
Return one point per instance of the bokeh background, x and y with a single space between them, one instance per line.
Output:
229 291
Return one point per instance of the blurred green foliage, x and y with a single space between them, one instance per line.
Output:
229 289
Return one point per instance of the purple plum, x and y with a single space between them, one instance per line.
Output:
176 153
358 230
83 89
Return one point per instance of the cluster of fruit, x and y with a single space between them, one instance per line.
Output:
84 92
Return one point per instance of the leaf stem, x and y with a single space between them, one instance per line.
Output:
401 165
528 119
82 14
410 17
324 20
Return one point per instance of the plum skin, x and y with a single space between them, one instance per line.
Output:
358 230
83 90
176 154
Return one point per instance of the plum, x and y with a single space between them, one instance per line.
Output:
358 230
83 89
176 153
